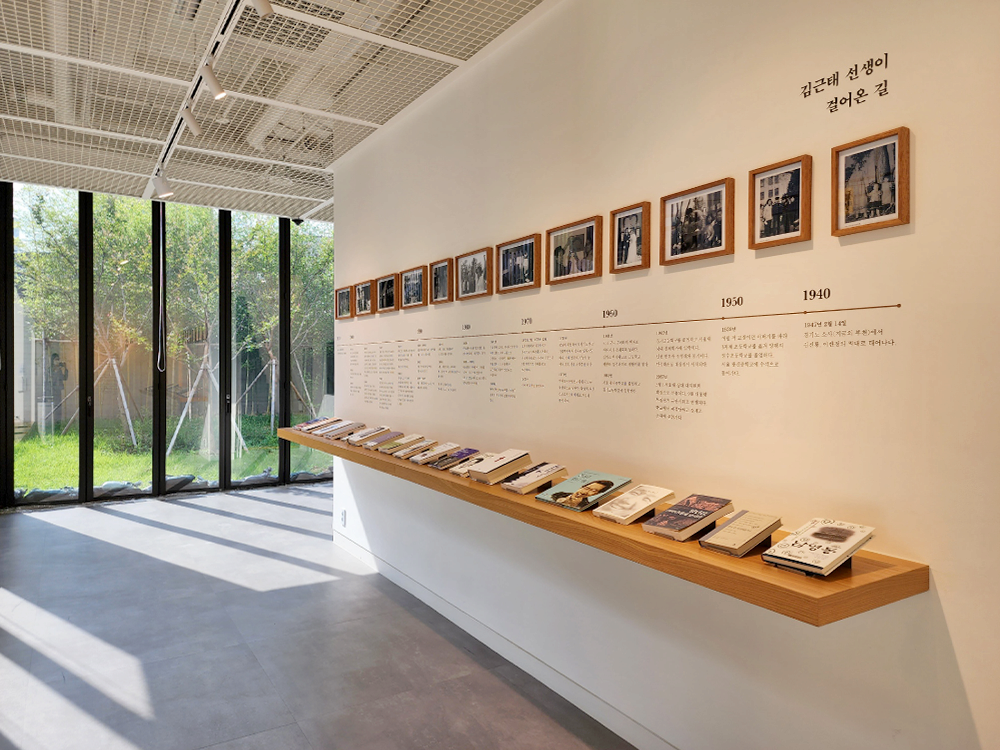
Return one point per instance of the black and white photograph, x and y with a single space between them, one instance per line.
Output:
574 251
344 307
474 273
363 298
697 223
630 238
414 288
780 208
517 264
386 289
441 288
872 183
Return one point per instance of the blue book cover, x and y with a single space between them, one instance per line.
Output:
583 491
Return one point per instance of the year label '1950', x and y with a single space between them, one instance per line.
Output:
732 301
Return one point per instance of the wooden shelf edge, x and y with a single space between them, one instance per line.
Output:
872 581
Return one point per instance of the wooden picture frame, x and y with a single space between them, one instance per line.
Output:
518 264
363 299
573 251
413 287
628 235
689 222
474 274
442 290
870 186
779 202
340 295
387 293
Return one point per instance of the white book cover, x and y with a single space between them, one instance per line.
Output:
739 530
499 460
414 448
364 435
340 429
400 443
462 470
820 543
430 454
533 474
634 503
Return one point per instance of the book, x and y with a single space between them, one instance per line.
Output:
414 448
684 519
462 470
394 445
501 466
431 453
342 430
819 547
633 504
534 477
584 490
326 429
378 440
315 424
452 459
741 533
359 437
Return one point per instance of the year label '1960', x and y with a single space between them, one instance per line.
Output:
609 313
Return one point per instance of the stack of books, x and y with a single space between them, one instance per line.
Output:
500 467
539 476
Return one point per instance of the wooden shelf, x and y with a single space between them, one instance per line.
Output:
872 581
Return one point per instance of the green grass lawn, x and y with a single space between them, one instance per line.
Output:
54 462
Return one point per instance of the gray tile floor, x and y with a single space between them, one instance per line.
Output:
233 622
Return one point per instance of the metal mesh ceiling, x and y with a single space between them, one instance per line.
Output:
281 179
163 37
77 95
458 28
91 90
36 140
249 128
73 176
291 61
238 200
324 214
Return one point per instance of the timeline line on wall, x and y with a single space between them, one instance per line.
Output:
622 325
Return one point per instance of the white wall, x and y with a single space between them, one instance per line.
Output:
586 106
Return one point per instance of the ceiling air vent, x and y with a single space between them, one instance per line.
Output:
280 30
187 9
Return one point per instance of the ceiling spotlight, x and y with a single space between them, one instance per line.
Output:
263 8
192 124
208 76
162 187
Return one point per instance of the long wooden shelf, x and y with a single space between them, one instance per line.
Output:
872 580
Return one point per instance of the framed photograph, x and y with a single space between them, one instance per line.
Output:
414 283
518 264
387 290
345 303
697 223
574 251
871 183
474 274
363 298
442 287
629 249
781 203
